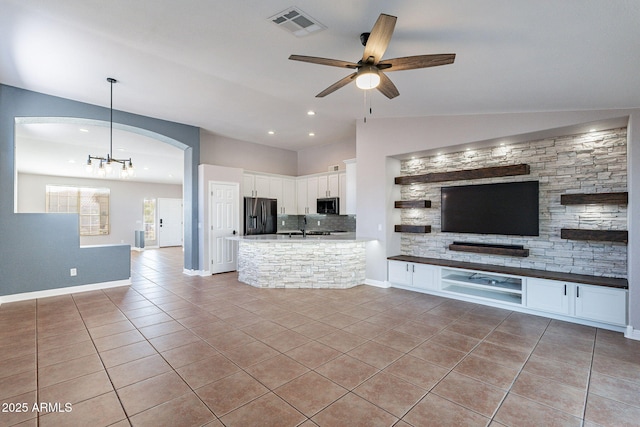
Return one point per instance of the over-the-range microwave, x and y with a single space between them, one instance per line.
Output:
328 205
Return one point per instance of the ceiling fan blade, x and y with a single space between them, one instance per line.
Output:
324 61
386 86
379 38
337 85
418 61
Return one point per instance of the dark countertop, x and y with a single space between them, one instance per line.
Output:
611 282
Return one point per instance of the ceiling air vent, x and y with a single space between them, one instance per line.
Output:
297 22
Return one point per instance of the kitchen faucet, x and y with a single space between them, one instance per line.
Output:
304 226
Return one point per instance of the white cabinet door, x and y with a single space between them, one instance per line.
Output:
323 186
602 304
333 185
289 206
275 191
302 195
400 273
548 295
262 185
342 182
350 203
424 276
248 185
312 195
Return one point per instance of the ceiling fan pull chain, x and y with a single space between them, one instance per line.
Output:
365 105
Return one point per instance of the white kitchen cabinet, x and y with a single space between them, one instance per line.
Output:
275 189
333 185
307 192
301 195
412 274
255 185
601 304
289 205
549 295
342 181
312 195
350 187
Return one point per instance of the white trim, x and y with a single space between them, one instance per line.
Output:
377 283
631 333
196 272
133 248
64 291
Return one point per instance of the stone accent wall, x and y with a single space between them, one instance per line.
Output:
291 264
583 163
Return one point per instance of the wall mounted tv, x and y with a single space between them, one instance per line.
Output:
509 208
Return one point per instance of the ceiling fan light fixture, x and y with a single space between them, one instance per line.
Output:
368 77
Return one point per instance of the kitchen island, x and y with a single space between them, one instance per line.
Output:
293 261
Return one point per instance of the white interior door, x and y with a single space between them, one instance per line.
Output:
224 205
169 222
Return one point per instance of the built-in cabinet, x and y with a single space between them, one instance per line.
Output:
298 196
255 185
421 276
597 303
603 306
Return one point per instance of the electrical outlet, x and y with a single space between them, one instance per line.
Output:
318 222
282 222
73 272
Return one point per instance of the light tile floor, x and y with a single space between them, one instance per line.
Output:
176 350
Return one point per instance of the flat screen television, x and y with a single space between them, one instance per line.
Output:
509 208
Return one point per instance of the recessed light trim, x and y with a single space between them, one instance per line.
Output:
271 132
311 113
312 134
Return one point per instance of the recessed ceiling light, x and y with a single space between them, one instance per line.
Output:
312 134
592 130
468 149
145 168
120 149
311 113
271 132
502 144
84 130
71 161
170 176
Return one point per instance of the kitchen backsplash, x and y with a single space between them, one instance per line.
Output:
327 222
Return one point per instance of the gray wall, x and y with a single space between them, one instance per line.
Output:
317 159
39 249
222 151
125 202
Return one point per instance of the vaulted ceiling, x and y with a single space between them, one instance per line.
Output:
222 65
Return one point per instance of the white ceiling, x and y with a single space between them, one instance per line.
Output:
222 65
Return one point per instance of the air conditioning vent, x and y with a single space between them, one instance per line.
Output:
334 168
297 22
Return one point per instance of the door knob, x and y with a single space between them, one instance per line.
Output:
234 232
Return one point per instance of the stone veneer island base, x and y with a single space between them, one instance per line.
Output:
282 262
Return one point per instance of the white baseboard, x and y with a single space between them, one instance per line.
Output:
202 273
632 334
377 283
63 291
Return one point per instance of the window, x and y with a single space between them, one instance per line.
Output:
91 204
149 220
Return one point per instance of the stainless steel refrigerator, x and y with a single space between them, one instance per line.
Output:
260 215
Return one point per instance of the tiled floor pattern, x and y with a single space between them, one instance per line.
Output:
176 350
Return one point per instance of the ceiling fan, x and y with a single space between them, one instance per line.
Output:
370 69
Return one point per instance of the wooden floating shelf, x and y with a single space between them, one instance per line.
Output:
488 172
413 204
490 249
413 229
621 236
621 198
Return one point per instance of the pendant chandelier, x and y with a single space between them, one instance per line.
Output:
104 166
